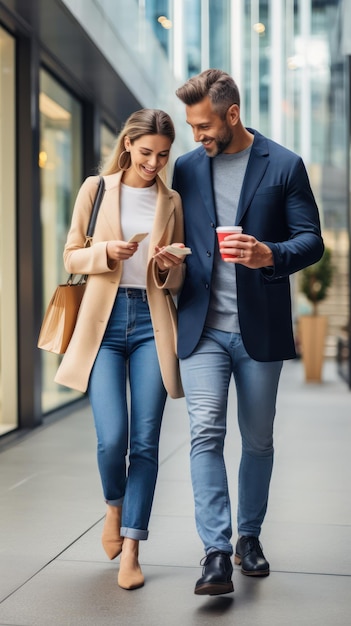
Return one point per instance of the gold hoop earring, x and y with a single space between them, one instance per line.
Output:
123 159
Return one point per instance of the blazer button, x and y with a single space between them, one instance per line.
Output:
206 285
208 253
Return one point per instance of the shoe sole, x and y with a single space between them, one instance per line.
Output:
264 572
131 587
257 573
211 589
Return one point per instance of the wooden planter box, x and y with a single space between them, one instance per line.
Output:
312 334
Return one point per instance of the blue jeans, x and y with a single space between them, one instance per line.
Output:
128 417
206 375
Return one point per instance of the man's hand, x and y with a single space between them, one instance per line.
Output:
247 250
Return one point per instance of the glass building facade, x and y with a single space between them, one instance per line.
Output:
62 105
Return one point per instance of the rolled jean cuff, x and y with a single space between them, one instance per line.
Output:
228 549
117 502
134 533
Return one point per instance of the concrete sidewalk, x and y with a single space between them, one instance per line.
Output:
53 570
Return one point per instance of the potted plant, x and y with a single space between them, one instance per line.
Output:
315 282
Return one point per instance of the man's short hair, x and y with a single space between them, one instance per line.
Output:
218 86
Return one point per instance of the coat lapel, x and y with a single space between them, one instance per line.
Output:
256 167
164 209
203 174
110 207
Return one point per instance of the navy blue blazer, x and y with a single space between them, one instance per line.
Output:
277 207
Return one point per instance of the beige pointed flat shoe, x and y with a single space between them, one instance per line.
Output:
111 539
130 575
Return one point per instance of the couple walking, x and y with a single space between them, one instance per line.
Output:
233 317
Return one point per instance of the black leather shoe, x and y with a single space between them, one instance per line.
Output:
216 575
248 554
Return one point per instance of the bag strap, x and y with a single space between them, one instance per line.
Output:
91 227
95 210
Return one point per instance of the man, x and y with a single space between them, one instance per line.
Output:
234 316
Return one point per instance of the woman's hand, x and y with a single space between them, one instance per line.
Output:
120 250
166 260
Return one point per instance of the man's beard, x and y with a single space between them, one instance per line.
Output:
222 142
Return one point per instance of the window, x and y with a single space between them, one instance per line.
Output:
107 141
60 162
8 282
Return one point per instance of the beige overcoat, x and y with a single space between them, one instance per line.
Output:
103 282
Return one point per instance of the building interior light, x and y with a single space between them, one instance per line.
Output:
165 22
259 28
43 158
295 62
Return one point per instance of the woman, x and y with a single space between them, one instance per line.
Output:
126 325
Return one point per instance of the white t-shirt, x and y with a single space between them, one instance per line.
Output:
138 207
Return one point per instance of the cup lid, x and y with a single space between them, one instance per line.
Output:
229 229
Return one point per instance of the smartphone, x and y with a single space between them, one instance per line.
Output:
177 251
137 238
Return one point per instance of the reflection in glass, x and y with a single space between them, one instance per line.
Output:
8 282
60 177
107 141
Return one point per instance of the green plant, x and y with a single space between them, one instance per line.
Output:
316 280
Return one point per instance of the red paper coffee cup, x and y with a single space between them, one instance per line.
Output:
223 231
